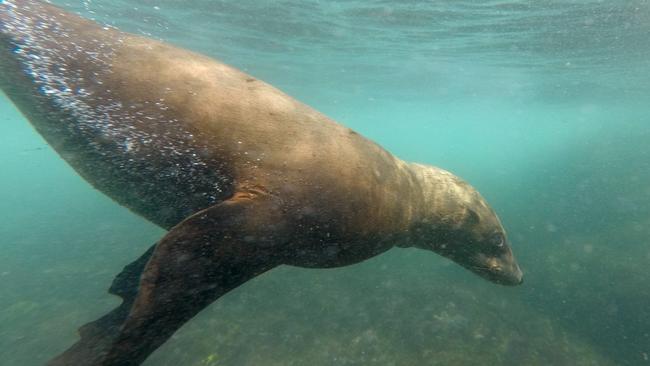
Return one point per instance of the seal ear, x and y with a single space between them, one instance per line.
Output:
198 261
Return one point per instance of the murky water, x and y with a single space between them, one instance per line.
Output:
542 106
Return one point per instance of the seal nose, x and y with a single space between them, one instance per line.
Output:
518 276
510 275
506 270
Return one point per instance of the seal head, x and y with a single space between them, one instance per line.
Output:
459 224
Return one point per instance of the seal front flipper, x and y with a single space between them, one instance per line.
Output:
199 260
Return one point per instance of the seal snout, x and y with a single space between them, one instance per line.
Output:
502 270
516 277
506 273
510 274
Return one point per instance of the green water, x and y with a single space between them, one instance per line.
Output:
543 106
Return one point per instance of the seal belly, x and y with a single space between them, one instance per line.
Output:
55 67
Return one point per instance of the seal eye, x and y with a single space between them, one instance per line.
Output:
498 239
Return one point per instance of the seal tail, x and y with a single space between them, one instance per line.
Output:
98 337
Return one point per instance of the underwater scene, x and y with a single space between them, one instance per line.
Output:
542 106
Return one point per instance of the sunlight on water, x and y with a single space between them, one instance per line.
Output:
549 49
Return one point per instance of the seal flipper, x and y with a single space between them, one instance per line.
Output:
98 336
199 260
125 284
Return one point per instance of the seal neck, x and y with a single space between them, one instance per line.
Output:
438 198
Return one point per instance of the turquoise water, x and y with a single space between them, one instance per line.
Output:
542 106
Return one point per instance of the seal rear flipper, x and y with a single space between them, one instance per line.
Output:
199 260
98 336
125 284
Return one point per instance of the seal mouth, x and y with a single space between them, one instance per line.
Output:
499 274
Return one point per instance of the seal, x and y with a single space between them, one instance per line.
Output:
242 176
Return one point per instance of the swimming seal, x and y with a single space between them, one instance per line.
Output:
242 176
